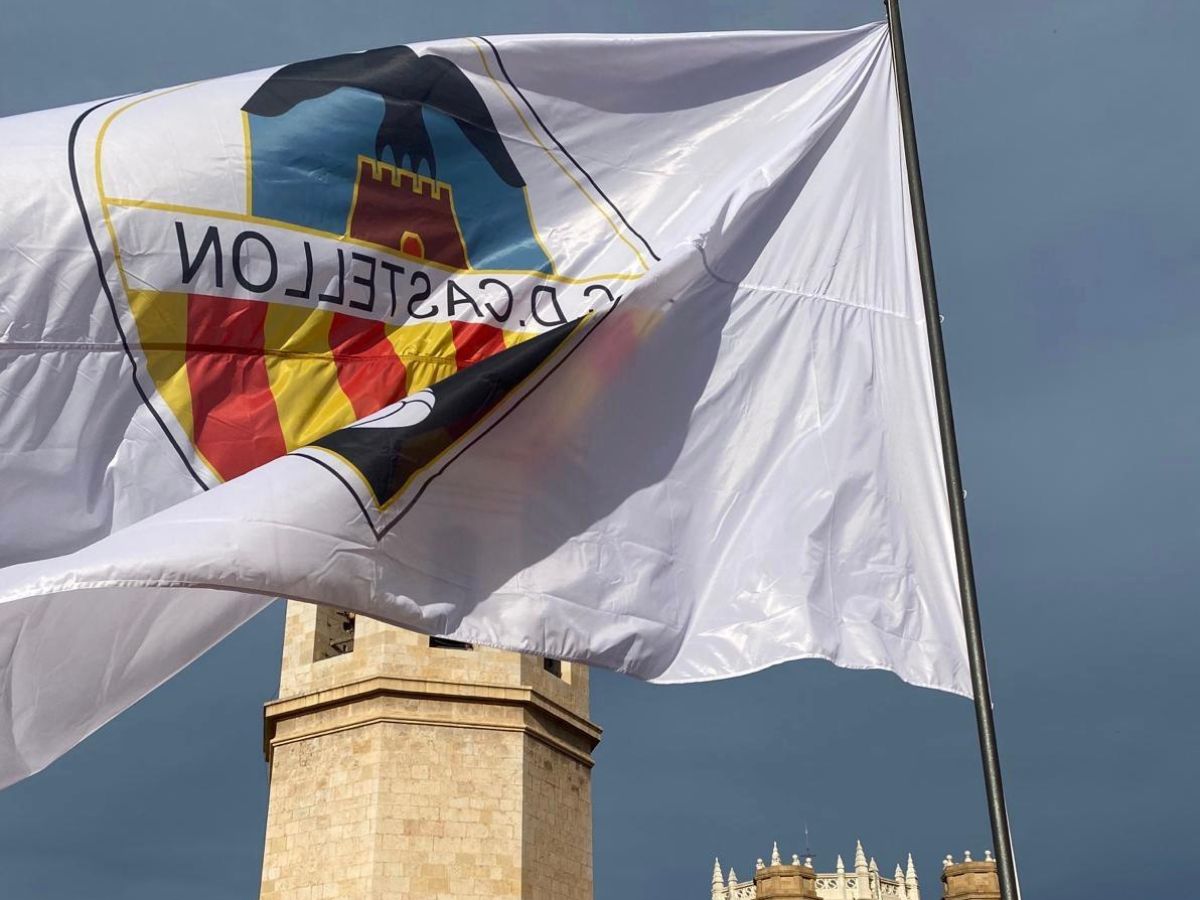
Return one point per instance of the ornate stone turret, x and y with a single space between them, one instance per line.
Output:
862 875
969 879
784 882
718 883
910 880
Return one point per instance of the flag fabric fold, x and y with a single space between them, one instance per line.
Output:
609 348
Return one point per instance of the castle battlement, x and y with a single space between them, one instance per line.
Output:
405 178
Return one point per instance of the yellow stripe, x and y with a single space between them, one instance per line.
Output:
345 235
303 374
162 330
427 352
246 161
536 235
512 338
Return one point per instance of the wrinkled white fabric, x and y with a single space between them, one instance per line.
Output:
734 465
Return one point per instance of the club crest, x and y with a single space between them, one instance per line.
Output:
403 217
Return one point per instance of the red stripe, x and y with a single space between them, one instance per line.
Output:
368 369
475 342
235 421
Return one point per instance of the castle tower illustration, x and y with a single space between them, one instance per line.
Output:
408 766
406 211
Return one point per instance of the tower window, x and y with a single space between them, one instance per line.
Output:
334 633
553 666
441 643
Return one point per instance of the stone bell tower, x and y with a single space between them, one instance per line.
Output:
416 767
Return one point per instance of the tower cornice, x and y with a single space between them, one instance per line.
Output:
457 704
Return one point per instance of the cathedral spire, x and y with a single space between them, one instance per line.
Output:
862 876
841 866
775 860
716 876
910 879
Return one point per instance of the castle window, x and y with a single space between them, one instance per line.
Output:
334 633
441 643
553 666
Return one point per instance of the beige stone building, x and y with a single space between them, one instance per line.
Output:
408 766
777 880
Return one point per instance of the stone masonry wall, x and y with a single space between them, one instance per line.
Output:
557 856
403 770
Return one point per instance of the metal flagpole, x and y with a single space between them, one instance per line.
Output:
1005 864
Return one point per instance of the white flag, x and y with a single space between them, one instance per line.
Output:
609 348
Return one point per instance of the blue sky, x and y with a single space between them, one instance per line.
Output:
1059 145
